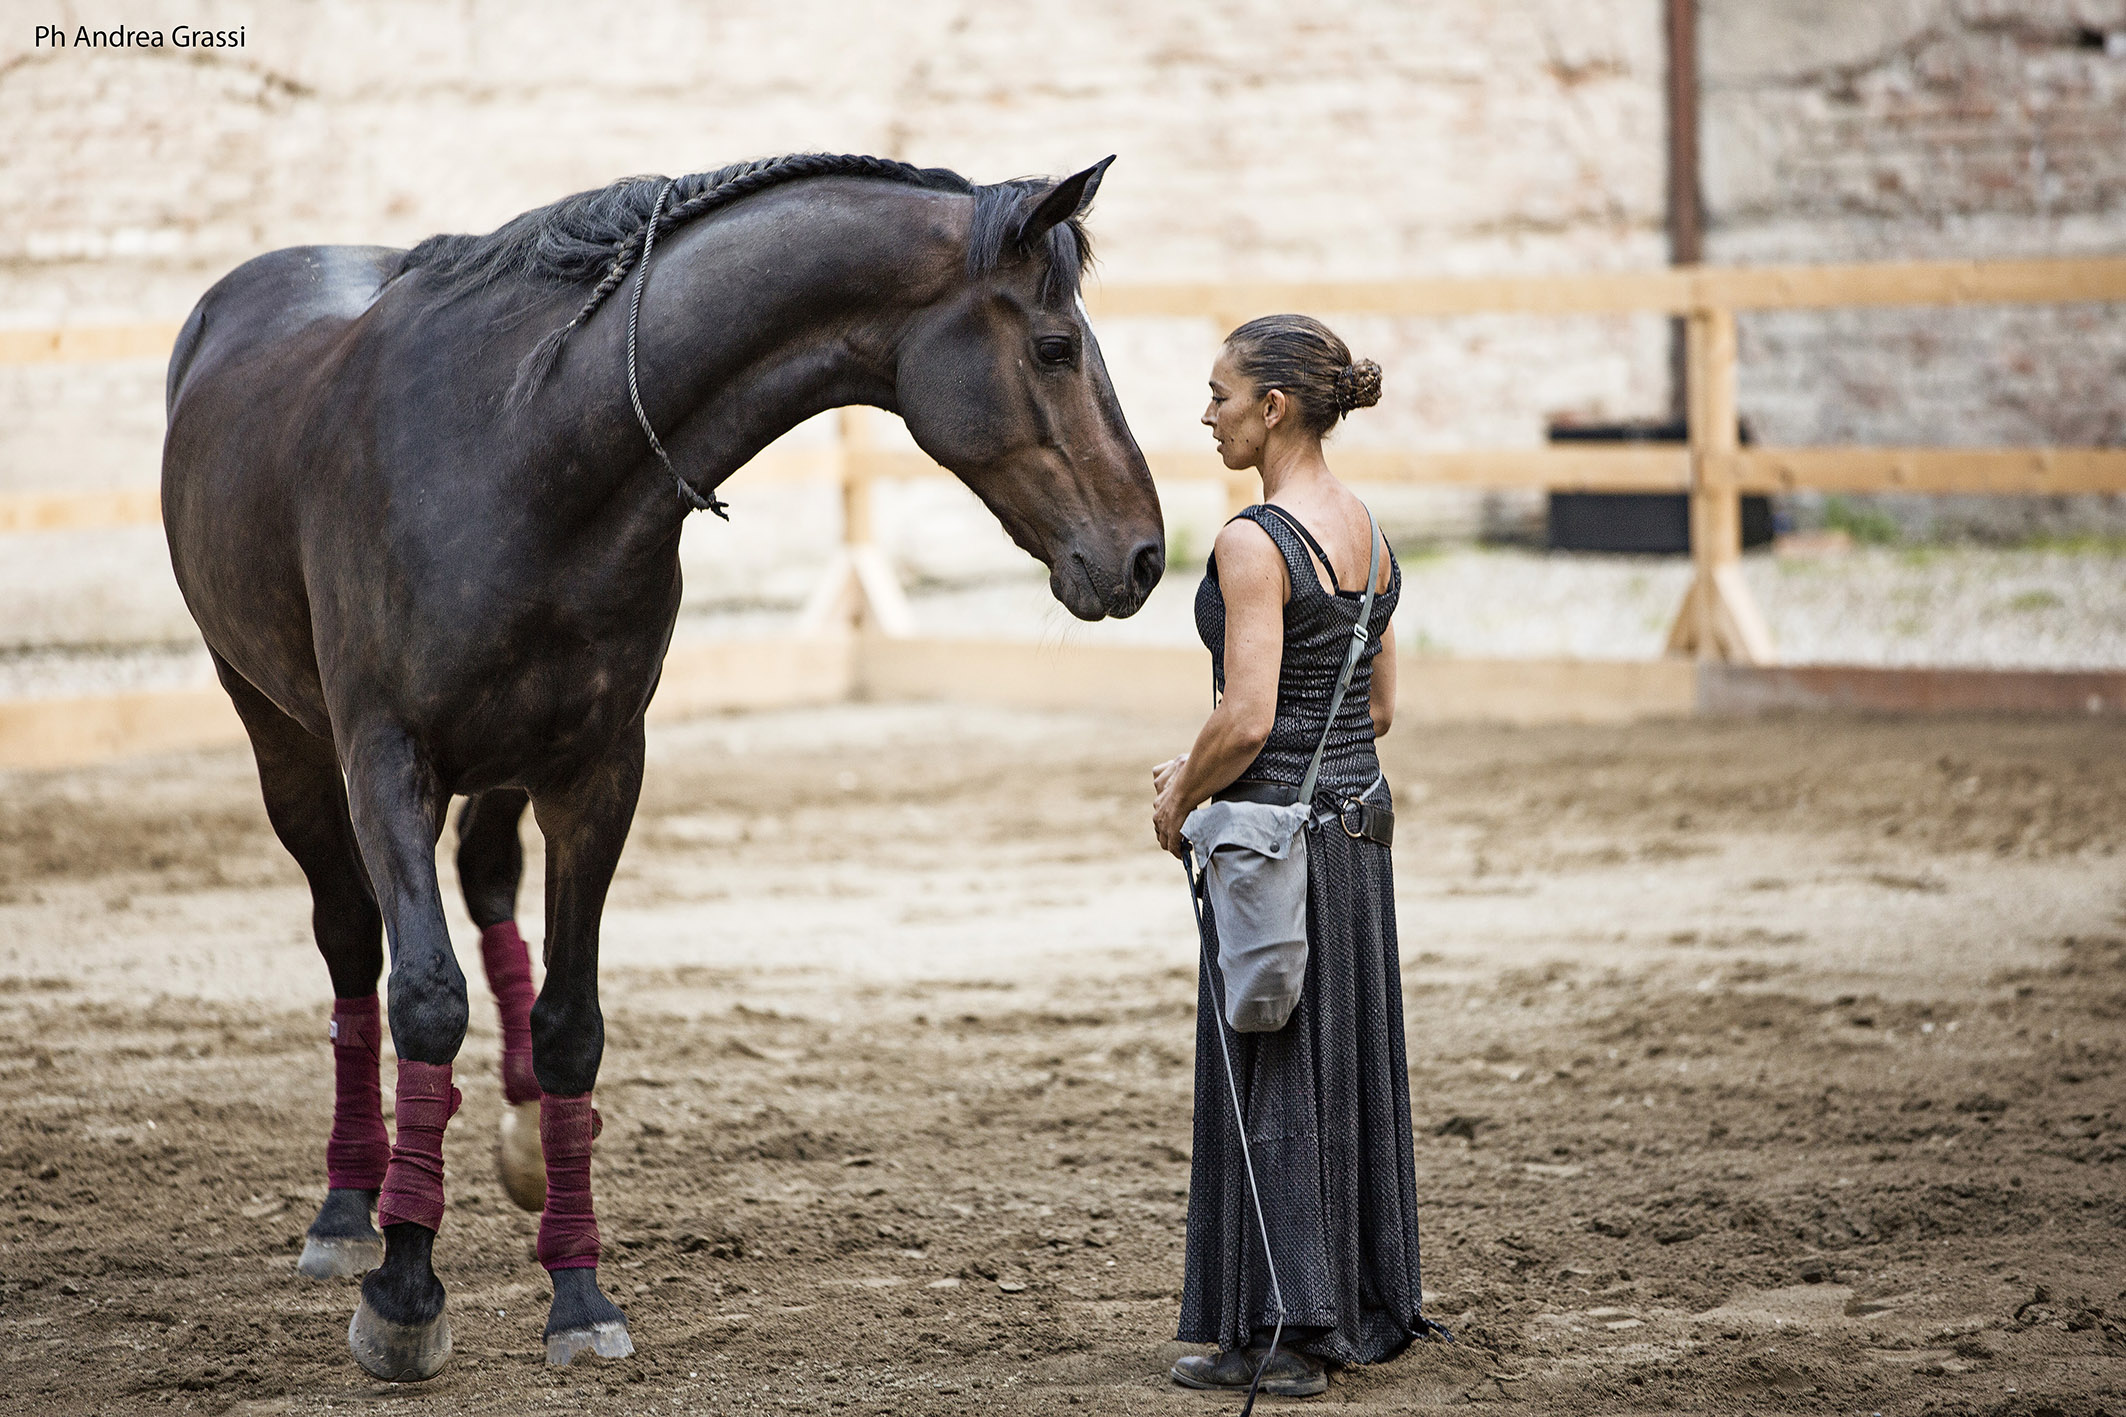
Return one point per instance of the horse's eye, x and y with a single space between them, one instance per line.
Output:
1055 349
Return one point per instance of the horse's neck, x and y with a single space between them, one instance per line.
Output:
746 329
744 412
736 346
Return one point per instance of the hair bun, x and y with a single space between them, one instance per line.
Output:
1357 385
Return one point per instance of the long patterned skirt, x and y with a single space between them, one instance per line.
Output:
1327 1100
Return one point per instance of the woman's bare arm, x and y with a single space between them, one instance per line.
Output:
1251 578
1382 699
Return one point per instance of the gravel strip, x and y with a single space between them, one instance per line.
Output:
1973 607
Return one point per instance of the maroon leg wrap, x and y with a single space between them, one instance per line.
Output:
413 1186
568 1230
509 977
359 1147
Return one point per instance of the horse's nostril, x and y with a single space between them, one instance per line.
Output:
1146 564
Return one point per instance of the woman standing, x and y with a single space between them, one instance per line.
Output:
1327 1096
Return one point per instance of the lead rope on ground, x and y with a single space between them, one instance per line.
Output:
1240 1125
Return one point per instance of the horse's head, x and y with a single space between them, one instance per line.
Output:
1002 382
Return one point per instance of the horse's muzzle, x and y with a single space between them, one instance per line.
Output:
1087 594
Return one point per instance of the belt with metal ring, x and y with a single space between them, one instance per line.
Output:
1367 821
1361 820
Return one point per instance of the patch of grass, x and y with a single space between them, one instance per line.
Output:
1181 546
2035 600
1864 524
2084 544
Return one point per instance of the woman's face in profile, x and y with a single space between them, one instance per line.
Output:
1235 414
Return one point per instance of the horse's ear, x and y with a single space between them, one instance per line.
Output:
1068 198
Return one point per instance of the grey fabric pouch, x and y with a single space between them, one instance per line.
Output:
1255 874
1254 857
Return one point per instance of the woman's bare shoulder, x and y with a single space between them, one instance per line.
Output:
1246 560
1245 541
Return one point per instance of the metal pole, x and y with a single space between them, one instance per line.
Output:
1686 214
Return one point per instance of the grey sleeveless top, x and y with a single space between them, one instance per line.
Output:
1317 629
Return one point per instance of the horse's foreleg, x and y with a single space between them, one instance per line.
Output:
490 865
299 775
400 1331
586 824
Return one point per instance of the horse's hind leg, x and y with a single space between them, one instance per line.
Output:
307 804
400 1331
490 865
586 824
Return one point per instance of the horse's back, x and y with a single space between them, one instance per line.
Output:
250 378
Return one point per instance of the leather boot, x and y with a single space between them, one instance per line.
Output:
1290 1375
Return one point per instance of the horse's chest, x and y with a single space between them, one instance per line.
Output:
528 715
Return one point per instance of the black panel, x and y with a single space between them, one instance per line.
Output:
1644 523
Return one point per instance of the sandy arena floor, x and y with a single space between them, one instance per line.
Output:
1757 1067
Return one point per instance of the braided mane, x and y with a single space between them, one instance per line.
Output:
577 237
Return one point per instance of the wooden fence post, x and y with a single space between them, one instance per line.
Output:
860 585
1718 620
856 486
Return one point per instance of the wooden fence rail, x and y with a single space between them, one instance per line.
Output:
1674 290
1717 620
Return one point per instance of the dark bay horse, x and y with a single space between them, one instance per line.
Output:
431 537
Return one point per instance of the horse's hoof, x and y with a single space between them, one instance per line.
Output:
398 1353
341 1243
583 1320
340 1256
607 1340
518 1157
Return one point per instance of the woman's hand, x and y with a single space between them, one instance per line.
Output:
1164 773
1169 810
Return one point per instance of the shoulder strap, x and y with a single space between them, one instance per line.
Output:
1360 630
1308 537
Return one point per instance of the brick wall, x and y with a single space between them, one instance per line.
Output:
1913 129
1256 138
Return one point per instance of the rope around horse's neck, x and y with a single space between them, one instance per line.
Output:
631 255
687 493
